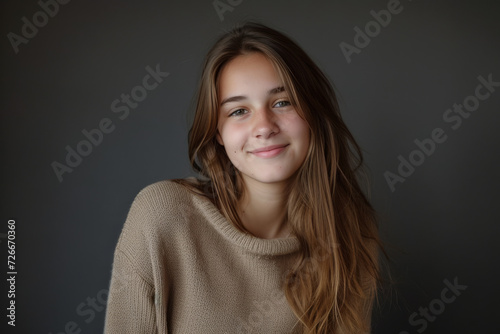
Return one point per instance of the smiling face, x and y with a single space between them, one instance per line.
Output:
264 137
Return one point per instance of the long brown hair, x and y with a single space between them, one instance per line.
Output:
334 280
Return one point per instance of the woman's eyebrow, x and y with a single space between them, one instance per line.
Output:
273 91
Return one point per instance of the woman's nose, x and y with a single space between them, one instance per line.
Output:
265 124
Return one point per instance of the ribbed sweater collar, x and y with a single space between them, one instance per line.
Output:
258 246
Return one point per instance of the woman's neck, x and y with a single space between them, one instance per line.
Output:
262 209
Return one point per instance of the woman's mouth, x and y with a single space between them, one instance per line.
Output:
269 151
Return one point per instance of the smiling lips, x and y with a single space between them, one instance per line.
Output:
269 151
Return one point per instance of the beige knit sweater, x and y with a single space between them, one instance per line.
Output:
181 267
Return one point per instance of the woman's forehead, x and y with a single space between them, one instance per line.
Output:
252 72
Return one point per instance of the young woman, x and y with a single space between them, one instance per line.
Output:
276 235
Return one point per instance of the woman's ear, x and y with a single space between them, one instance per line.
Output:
219 138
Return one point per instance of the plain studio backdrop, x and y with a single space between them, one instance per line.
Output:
97 102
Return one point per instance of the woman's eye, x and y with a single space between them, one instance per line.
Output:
282 104
238 112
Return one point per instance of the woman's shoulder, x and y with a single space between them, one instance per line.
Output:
158 207
155 217
167 202
165 194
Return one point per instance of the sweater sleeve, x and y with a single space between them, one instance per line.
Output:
130 307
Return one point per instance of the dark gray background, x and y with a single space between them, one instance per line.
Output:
441 223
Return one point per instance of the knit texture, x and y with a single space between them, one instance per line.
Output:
181 267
